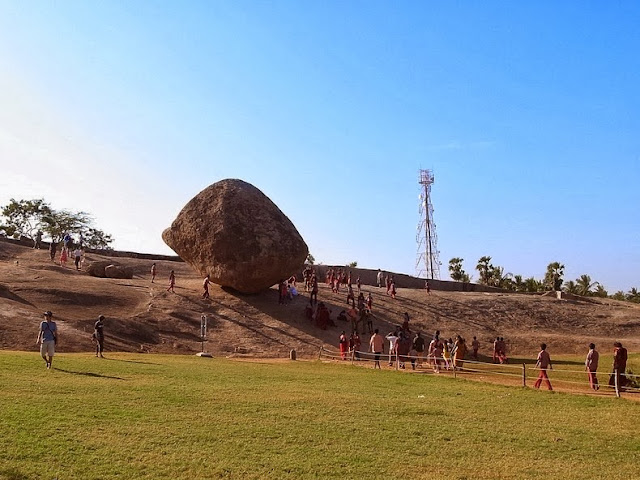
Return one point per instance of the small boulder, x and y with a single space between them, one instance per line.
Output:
118 271
236 234
96 269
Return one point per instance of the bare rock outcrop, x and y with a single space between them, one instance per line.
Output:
96 269
118 271
236 234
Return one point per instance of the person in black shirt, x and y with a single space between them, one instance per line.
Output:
98 335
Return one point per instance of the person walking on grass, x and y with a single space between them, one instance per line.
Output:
591 365
543 363
344 345
47 338
376 345
172 282
205 286
153 272
619 366
98 336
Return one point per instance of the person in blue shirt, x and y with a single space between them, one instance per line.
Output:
47 338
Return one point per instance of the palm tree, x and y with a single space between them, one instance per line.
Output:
601 292
553 277
571 287
532 285
518 283
484 268
584 285
633 295
619 295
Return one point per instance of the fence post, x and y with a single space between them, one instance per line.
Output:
524 374
615 372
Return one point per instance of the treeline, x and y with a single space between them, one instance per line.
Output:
495 276
35 219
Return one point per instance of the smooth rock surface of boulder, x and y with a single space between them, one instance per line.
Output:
236 234
118 271
96 269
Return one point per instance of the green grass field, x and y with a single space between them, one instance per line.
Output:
182 417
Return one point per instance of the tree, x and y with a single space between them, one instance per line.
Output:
25 217
352 264
619 295
518 283
97 239
601 292
500 279
633 295
571 287
57 223
553 277
485 270
585 285
456 271
532 285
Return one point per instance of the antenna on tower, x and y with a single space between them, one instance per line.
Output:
428 259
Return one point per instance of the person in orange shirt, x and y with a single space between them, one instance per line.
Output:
543 363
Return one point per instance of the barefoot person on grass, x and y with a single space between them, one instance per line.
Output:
47 338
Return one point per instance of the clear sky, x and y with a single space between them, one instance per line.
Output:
528 113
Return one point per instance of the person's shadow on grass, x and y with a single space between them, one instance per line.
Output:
87 374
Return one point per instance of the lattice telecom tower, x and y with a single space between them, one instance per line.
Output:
428 259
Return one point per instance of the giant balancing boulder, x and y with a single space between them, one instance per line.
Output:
236 234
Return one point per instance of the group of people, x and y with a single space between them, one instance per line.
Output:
618 378
66 252
48 337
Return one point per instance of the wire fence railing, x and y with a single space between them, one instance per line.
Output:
618 382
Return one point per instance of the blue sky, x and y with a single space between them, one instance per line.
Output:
528 113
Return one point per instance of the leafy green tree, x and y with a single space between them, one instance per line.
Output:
456 271
97 239
485 270
25 217
553 277
585 285
57 223
352 264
